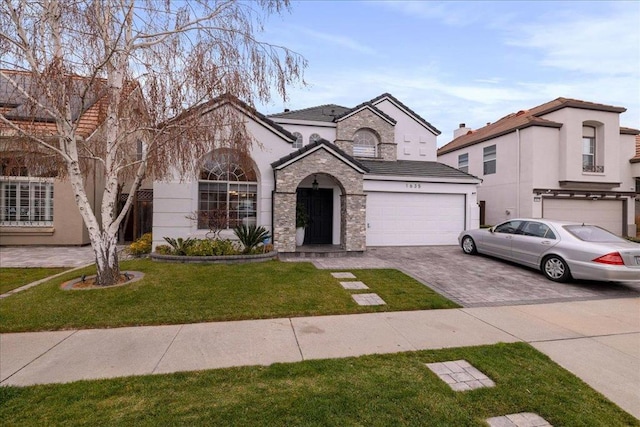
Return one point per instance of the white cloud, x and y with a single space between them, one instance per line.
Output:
608 44
338 41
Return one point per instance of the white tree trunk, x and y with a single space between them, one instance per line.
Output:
108 270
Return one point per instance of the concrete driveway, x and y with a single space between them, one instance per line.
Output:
480 281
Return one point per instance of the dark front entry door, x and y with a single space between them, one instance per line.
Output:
319 207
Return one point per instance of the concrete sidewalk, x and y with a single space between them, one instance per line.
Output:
599 341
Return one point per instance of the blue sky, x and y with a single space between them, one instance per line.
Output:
463 62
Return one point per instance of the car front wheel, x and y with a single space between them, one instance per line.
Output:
469 246
556 269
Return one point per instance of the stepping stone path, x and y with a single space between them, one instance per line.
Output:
523 419
361 299
343 275
368 299
354 285
460 375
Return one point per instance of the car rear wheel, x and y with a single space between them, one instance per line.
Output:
469 246
556 269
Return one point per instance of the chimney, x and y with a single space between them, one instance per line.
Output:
462 130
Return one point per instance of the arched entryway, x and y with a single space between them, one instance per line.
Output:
331 170
318 197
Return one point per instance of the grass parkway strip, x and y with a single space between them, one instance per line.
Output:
381 390
189 293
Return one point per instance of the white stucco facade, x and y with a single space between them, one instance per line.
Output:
539 162
176 201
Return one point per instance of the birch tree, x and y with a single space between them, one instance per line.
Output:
143 66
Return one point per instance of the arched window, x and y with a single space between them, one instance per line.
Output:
227 191
314 137
592 147
299 142
365 143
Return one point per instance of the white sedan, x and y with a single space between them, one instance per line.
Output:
561 250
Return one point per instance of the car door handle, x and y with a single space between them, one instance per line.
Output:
545 242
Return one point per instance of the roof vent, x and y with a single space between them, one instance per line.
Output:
286 110
521 112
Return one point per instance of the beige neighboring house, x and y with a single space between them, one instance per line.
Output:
635 171
37 207
566 159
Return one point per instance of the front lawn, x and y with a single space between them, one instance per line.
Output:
189 293
379 390
11 278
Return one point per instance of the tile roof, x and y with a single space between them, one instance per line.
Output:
321 113
15 105
395 100
368 105
412 168
313 145
523 119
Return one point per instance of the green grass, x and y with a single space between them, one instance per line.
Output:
11 278
381 390
189 293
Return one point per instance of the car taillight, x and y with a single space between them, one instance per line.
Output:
613 258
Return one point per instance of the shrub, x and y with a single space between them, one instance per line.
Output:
142 246
208 247
164 250
179 245
250 236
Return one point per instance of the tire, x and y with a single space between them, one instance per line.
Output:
469 246
555 268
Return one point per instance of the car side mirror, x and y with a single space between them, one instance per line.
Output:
491 230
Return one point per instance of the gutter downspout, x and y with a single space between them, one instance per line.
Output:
518 165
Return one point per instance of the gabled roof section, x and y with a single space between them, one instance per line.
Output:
417 169
315 146
321 113
407 110
523 119
366 106
17 107
243 107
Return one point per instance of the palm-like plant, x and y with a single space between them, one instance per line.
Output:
250 236
179 245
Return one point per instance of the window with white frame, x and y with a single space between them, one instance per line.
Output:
489 159
589 150
26 201
227 192
463 162
298 142
365 143
314 137
26 194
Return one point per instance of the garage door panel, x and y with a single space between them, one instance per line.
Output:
401 219
604 213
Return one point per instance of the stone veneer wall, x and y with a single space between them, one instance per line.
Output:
346 128
353 230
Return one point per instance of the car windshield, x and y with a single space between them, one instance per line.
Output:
591 233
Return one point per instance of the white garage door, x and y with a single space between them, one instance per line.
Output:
401 219
605 213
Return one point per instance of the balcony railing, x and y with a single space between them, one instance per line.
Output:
591 168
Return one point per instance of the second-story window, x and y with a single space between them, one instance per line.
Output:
298 143
365 143
313 138
489 158
589 149
463 162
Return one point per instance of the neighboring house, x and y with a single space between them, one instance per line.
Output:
366 176
37 207
565 159
635 172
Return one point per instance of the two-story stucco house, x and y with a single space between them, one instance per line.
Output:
565 159
366 176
